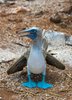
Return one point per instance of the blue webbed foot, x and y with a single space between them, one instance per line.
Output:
30 84
44 85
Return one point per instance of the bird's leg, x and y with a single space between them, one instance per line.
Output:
43 84
30 83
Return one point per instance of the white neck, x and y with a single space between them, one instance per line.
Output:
37 43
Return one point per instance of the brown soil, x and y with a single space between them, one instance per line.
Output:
39 15
6 94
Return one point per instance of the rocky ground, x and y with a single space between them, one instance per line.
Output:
47 14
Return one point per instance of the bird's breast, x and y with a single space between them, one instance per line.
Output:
36 61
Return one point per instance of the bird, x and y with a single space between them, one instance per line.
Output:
36 62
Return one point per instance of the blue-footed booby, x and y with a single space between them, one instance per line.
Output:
36 62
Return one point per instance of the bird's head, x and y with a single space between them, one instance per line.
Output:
33 33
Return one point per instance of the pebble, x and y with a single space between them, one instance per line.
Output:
55 18
1 98
14 10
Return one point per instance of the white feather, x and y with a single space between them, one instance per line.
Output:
36 61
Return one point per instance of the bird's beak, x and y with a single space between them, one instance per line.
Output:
24 30
32 35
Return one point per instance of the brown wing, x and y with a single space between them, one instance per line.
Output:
53 61
18 65
22 62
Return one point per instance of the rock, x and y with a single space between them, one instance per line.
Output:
14 10
17 20
57 46
5 1
2 1
69 40
55 38
29 0
6 55
3 81
68 10
39 14
1 98
59 39
55 18
63 25
14 97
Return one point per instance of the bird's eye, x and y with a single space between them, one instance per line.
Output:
34 31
